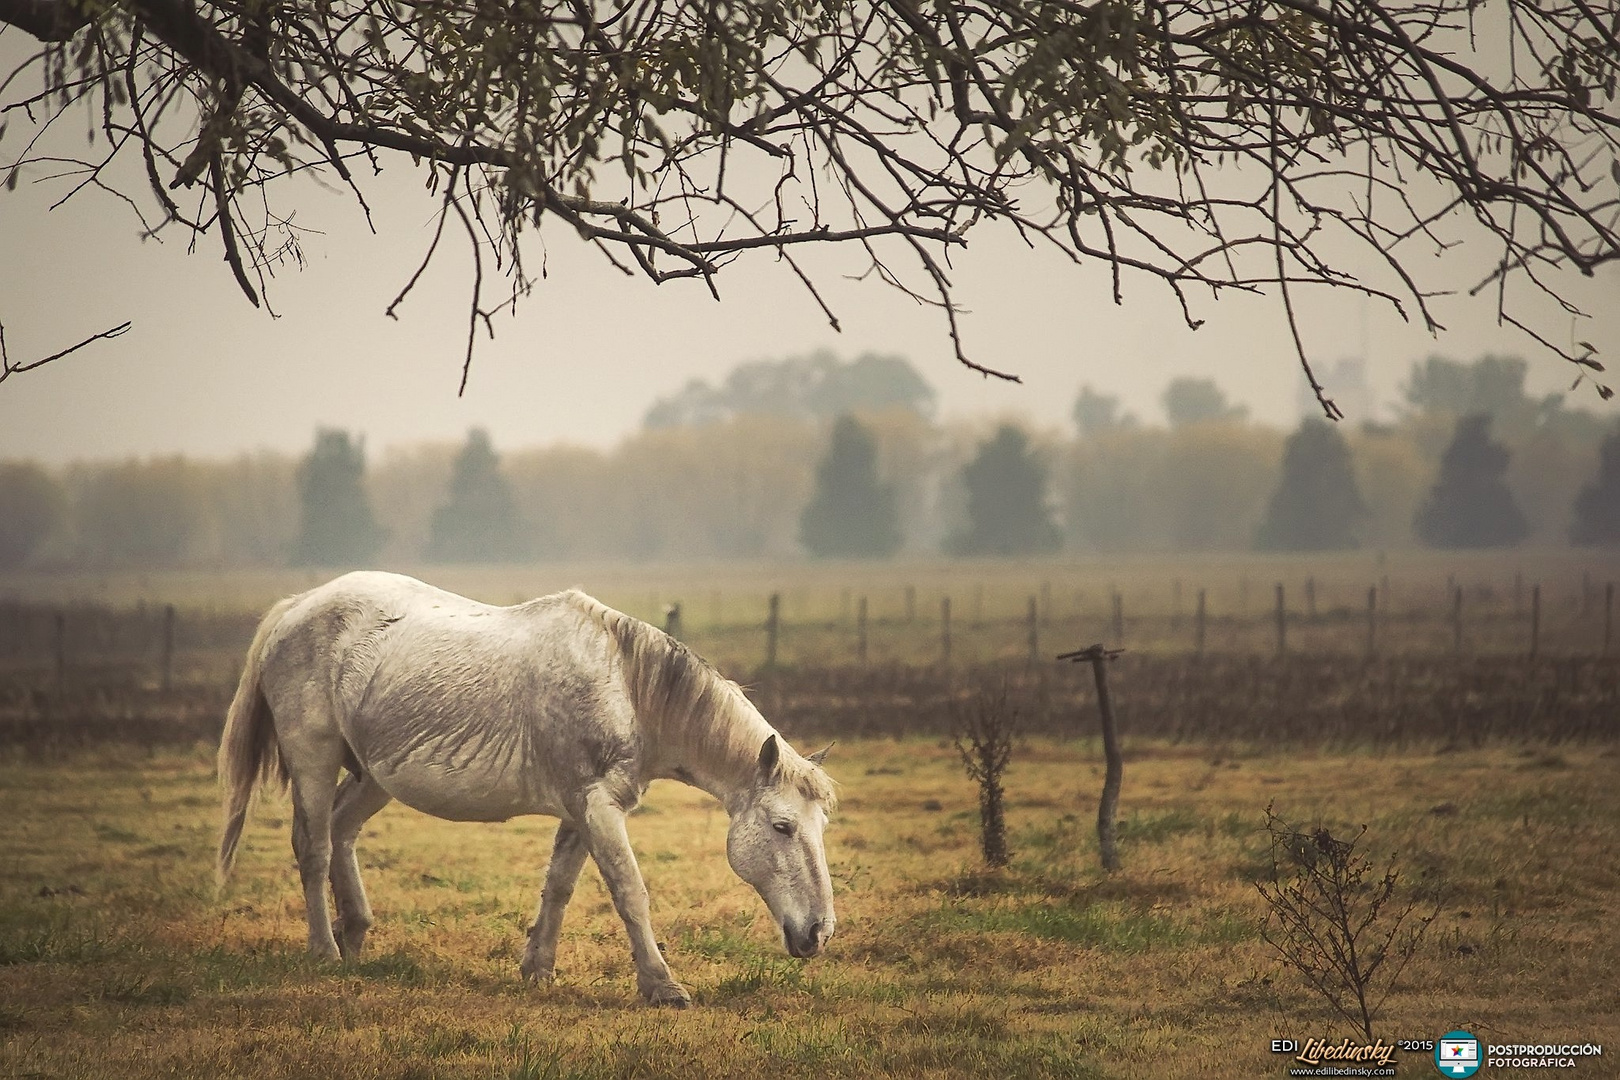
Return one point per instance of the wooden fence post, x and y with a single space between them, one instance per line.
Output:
1108 805
860 630
1175 604
1372 620
1046 603
945 629
1119 618
1198 625
168 647
672 619
1608 616
1535 620
1034 632
1456 619
61 652
1282 622
772 619
911 604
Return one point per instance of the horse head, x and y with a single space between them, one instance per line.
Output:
775 844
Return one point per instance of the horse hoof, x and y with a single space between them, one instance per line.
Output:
533 974
669 997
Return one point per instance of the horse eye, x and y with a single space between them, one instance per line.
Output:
783 827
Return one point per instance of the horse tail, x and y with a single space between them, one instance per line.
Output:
248 752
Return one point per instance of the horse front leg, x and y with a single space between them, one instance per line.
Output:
609 845
567 858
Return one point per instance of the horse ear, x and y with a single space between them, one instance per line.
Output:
768 755
820 756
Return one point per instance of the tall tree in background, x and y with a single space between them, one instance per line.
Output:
1470 505
1206 145
30 509
1197 401
852 513
1095 413
478 522
1491 385
1006 500
139 513
1597 507
338 528
1316 506
814 387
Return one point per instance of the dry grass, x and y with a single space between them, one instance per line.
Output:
117 958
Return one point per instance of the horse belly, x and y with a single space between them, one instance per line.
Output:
460 794
461 773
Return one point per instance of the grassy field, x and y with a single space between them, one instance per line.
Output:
117 958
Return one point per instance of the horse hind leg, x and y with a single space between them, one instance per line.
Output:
358 798
313 765
568 853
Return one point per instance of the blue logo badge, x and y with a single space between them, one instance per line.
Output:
1457 1054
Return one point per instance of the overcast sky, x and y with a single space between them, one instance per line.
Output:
204 373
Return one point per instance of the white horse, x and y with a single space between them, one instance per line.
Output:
560 706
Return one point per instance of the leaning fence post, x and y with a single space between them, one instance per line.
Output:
168 647
672 619
1108 806
945 629
1119 618
772 619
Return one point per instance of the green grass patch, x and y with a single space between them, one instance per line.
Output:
1104 925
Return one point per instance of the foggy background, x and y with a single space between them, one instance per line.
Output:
186 442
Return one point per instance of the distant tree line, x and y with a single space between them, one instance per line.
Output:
845 460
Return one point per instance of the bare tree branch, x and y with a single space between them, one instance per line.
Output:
1211 146
8 369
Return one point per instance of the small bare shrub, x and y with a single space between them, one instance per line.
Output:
984 729
1341 931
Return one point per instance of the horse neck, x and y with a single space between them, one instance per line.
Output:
712 743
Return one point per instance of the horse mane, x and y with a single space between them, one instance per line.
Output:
667 679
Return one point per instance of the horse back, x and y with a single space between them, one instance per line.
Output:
458 708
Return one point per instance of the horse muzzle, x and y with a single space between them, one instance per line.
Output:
805 942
